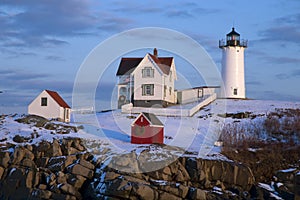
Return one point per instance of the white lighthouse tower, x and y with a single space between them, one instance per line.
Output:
233 66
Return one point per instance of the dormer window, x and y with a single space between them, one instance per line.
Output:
147 72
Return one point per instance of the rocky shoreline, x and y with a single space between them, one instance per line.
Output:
64 169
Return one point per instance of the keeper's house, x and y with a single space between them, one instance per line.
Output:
147 81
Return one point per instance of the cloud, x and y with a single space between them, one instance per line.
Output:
17 75
290 19
114 24
282 60
50 17
28 81
187 10
265 56
43 23
180 10
271 95
293 74
50 24
20 87
55 58
282 76
253 83
284 29
179 13
130 7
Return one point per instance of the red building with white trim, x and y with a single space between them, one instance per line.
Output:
147 129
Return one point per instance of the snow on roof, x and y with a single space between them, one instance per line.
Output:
152 119
58 98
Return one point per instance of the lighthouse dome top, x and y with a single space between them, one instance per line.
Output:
233 33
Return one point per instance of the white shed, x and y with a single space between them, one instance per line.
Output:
50 104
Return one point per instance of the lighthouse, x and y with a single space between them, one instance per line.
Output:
233 66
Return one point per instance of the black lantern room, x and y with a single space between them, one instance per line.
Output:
233 39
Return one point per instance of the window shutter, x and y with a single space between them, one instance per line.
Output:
152 89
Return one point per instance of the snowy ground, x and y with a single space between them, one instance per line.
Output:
196 135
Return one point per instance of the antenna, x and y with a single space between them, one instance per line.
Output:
233 24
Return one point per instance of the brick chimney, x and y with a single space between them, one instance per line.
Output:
155 52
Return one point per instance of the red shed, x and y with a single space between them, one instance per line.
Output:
147 129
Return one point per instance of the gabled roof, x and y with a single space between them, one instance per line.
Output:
58 99
127 65
151 118
164 63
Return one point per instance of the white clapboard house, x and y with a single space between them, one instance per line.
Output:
50 104
147 81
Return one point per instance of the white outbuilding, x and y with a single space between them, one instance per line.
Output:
50 104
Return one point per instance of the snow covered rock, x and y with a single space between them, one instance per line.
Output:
38 171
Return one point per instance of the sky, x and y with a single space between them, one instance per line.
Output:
44 43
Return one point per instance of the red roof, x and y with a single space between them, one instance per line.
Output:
58 98
127 65
164 63
151 118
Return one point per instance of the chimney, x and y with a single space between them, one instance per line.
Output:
155 52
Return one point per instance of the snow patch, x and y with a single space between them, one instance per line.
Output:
288 170
272 195
266 187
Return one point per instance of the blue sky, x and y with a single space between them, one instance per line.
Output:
43 43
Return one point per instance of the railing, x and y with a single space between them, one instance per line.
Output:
241 43
183 112
222 43
244 43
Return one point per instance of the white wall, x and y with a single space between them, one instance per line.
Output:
52 110
65 114
139 80
194 94
187 96
209 90
233 72
169 81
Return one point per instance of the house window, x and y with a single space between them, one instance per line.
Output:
67 117
148 72
148 89
234 91
170 90
170 75
165 91
44 101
